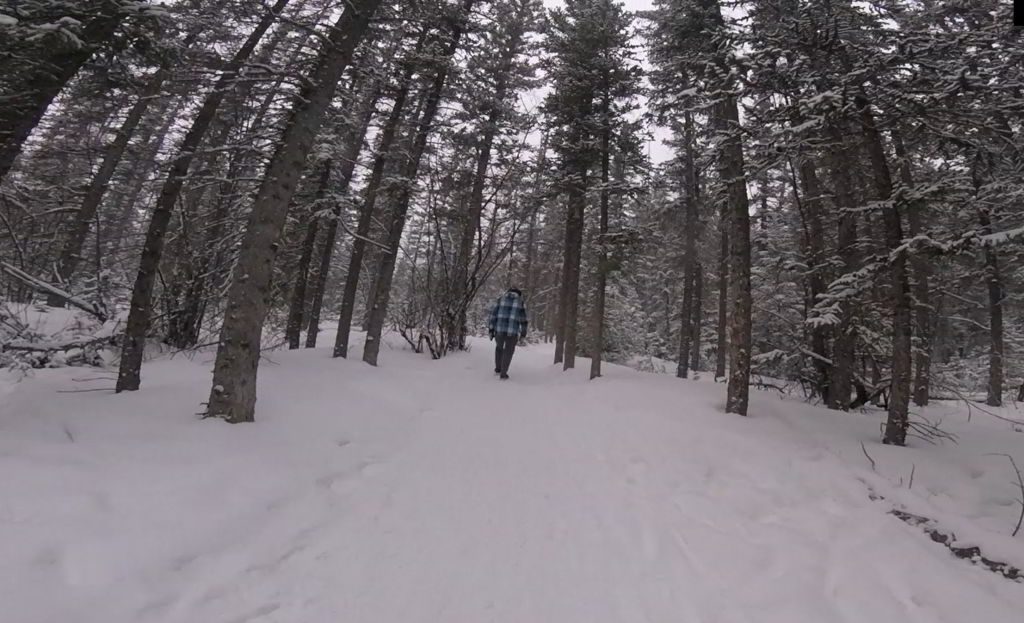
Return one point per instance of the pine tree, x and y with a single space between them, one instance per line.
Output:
233 396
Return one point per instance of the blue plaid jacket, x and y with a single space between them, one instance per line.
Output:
508 316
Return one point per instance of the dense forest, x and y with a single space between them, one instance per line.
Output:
841 209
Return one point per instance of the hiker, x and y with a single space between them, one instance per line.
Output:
507 325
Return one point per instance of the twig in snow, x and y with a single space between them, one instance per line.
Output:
948 539
1020 483
67 432
928 431
976 405
912 468
869 456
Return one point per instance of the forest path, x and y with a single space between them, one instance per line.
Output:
433 492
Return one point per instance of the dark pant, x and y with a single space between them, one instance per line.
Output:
506 347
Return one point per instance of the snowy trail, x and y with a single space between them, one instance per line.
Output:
432 492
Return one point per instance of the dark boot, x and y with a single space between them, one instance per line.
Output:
508 348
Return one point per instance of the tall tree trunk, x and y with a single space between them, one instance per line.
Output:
698 316
995 307
562 293
722 332
403 196
29 93
602 262
373 188
530 270
740 335
569 309
844 344
463 292
814 245
355 135
233 396
994 285
899 395
137 325
242 165
921 289
297 306
692 224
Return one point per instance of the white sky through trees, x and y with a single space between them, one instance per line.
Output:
657 151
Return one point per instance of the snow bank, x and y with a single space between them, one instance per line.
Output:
428 491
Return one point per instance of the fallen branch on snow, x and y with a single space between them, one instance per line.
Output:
42 286
970 553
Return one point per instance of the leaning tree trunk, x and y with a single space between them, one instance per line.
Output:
242 166
233 396
386 271
740 335
373 188
137 325
71 251
139 173
898 421
297 305
27 94
353 139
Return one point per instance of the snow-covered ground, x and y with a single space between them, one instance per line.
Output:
426 491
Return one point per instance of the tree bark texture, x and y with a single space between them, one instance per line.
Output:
898 422
388 136
845 339
731 168
920 285
297 304
691 217
403 195
353 139
602 262
722 331
137 326
233 395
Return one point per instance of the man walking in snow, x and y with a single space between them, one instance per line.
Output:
507 325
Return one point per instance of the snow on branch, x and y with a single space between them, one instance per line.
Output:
43 286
